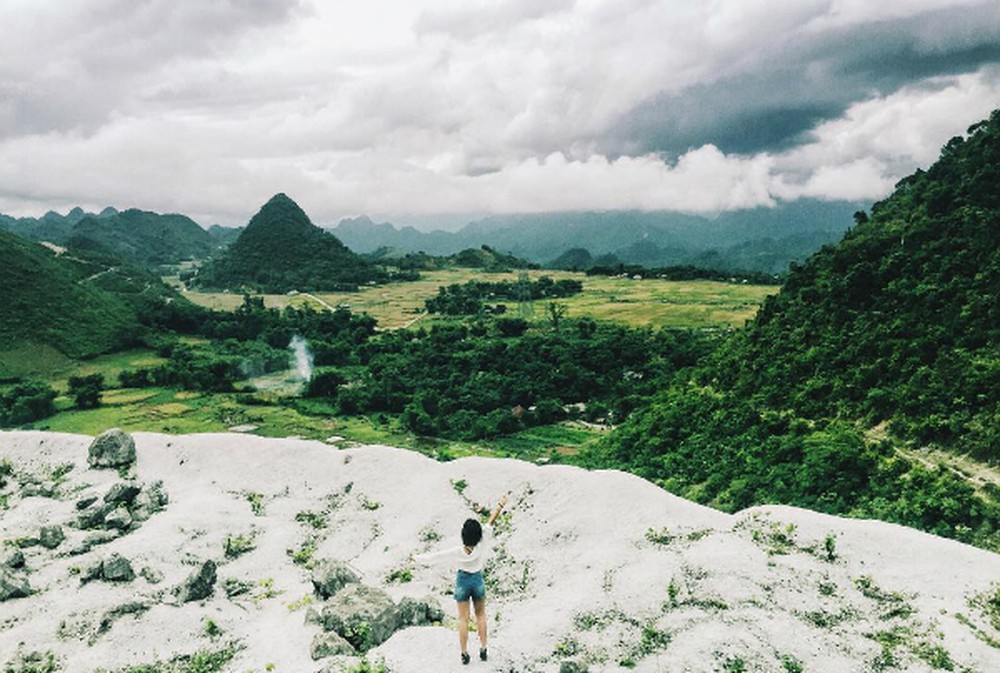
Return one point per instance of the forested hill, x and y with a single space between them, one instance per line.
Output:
143 237
901 320
59 301
282 250
138 236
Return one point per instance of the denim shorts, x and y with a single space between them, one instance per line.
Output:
469 585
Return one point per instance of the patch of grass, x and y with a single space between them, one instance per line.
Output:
459 486
237 545
661 537
891 603
370 505
33 662
203 661
210 628
256 501
790 664
303 556
297 605
399 576
314 519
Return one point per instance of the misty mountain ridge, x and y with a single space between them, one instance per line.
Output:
762 239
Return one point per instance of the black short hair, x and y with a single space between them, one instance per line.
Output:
472 533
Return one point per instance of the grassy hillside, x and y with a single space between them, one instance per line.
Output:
56 301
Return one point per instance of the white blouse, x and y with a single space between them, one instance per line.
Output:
456 557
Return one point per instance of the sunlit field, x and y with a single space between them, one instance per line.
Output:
640 303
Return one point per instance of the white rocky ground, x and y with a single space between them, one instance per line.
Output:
594 571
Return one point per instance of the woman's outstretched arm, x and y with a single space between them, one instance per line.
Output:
496 510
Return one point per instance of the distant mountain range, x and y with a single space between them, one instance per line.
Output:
138 236
763 239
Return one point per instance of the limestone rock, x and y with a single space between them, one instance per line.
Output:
330 576
364 616
11 558
329 644
85 502
117 569
149 501
96 538
13 585
111 449
92 517
51 537
122 493
198 585
151 575
119 519
413 612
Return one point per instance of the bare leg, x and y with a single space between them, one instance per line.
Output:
463 625
480 607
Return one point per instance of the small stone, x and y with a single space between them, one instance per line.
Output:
151 575
84 503
122 493
91 517
117 569
119 519
198 585
12 558
572 666
51 537
329 644
13 585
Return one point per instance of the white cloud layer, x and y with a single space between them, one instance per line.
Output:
444 106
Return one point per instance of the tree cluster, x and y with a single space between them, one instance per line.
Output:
472 298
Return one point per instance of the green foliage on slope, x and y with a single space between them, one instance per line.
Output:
143 237
282 250
57 300
898 322
901 320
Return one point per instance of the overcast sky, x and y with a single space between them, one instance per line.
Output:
395 107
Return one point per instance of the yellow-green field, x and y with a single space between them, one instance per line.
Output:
639 303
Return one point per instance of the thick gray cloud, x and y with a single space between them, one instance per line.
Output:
798 82
445 106
69 66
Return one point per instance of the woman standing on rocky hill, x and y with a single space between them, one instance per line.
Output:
469 560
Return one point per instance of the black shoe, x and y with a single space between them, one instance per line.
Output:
482 654
465 657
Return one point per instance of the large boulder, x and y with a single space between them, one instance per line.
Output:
13 585
111 449
198 585
414 612
330 576
364 616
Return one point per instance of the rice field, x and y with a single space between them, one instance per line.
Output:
650 302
